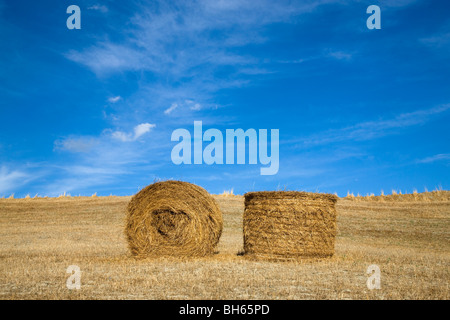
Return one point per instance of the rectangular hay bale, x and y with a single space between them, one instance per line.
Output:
289 225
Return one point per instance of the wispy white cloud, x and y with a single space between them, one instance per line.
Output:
114 99
98 7
142 129
10 180
90 174
107 57
171 108
85 144
339 55
435 158
192 40
295 61
193 105
325 54
187 105
76 144
374 129
437 41
104 160
196 106
139 131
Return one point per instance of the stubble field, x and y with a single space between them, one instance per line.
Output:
409 239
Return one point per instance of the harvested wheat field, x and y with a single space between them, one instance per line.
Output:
407 237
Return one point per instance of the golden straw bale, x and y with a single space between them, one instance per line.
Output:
173 218
286 225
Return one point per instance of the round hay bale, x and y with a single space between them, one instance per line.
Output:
173 218
288 225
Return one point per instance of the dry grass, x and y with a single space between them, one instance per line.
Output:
228 193
40 238
433 196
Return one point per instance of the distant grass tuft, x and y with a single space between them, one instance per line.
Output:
227 193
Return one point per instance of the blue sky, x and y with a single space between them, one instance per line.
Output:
92 110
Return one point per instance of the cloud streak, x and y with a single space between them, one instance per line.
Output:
10 180
445 157
199 45
139 131
114 99
76 144
205 32
374 129
171 108
98 7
